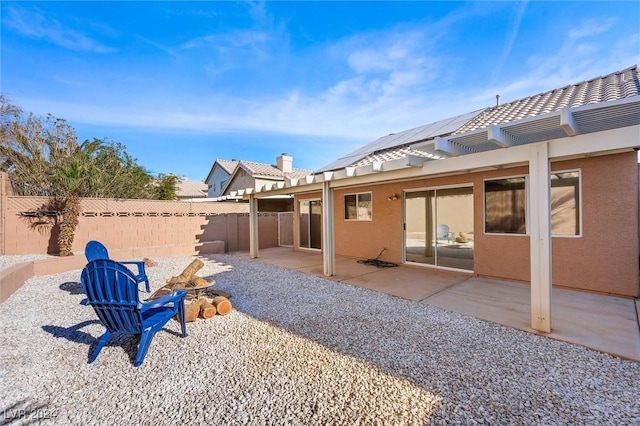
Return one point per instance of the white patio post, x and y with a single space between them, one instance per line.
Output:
328 240
253 226
540 234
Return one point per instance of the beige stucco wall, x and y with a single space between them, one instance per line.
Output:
606 257
603 259
240 181
126 224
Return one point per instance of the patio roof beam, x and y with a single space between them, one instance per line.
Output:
415 161
567 122
445 145
497 136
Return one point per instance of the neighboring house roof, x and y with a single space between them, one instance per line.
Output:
264 171
615 86
268 171
191 189
227 165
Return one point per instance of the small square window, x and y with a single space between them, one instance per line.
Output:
358 206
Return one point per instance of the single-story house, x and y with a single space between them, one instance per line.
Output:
543 189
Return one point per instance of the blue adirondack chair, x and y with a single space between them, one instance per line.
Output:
96 250
112 291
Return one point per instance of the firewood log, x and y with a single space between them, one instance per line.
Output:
188 272
191 311
197 281
222 304
207 310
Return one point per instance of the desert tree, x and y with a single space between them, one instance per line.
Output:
42 157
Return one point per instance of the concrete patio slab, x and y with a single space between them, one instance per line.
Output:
503 302
604 323
412 283
346 268
607 323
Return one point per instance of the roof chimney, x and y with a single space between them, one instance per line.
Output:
285 163
497 100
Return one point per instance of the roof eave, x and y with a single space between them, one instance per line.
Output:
502 144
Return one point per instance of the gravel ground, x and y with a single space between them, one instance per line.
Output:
301 350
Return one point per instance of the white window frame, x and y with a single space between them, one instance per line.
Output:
344 207
579 204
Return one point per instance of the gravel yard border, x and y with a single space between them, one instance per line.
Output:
302 350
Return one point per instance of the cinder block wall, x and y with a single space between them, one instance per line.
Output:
29 226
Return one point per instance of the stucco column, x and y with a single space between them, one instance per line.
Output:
540 236
328 240
253 226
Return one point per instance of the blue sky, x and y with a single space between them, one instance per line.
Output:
181 84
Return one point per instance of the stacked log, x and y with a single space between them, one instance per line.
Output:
191 311
207 310
204 305
222 305
185 279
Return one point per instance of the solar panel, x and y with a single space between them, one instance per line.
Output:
428 131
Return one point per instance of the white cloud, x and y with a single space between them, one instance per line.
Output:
389 81
36 25
576 59
511 38
592 27
368 60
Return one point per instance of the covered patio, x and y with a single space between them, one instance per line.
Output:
447 154
604 323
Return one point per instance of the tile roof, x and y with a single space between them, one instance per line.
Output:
614 86
617 85
271 172
191 189
228 166
395 154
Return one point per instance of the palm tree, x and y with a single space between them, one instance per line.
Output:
42 157
72 177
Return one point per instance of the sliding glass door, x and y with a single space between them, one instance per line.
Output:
439 227
419 222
